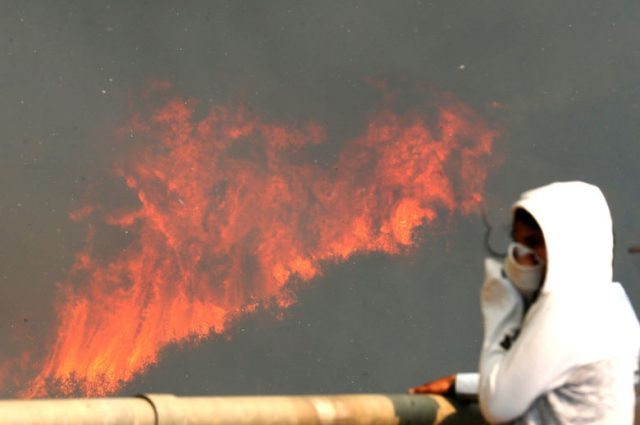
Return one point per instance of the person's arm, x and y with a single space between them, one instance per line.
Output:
502 311
516 365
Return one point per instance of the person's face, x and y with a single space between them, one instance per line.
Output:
531 237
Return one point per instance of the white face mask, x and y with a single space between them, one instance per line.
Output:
527 279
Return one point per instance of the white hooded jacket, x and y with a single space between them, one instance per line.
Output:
572 356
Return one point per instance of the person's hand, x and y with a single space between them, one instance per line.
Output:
439 386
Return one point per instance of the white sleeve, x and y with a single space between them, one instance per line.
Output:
502 310
466 386
514 368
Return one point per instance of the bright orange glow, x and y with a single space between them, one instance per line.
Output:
230 209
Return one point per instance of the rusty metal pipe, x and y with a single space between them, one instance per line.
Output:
166 409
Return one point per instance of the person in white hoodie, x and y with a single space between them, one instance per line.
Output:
561 340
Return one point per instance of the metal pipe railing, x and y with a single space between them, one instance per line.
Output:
166 409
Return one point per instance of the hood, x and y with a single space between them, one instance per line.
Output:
577 228
581 316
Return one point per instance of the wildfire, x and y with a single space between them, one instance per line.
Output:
231 209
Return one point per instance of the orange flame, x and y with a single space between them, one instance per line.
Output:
231 209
